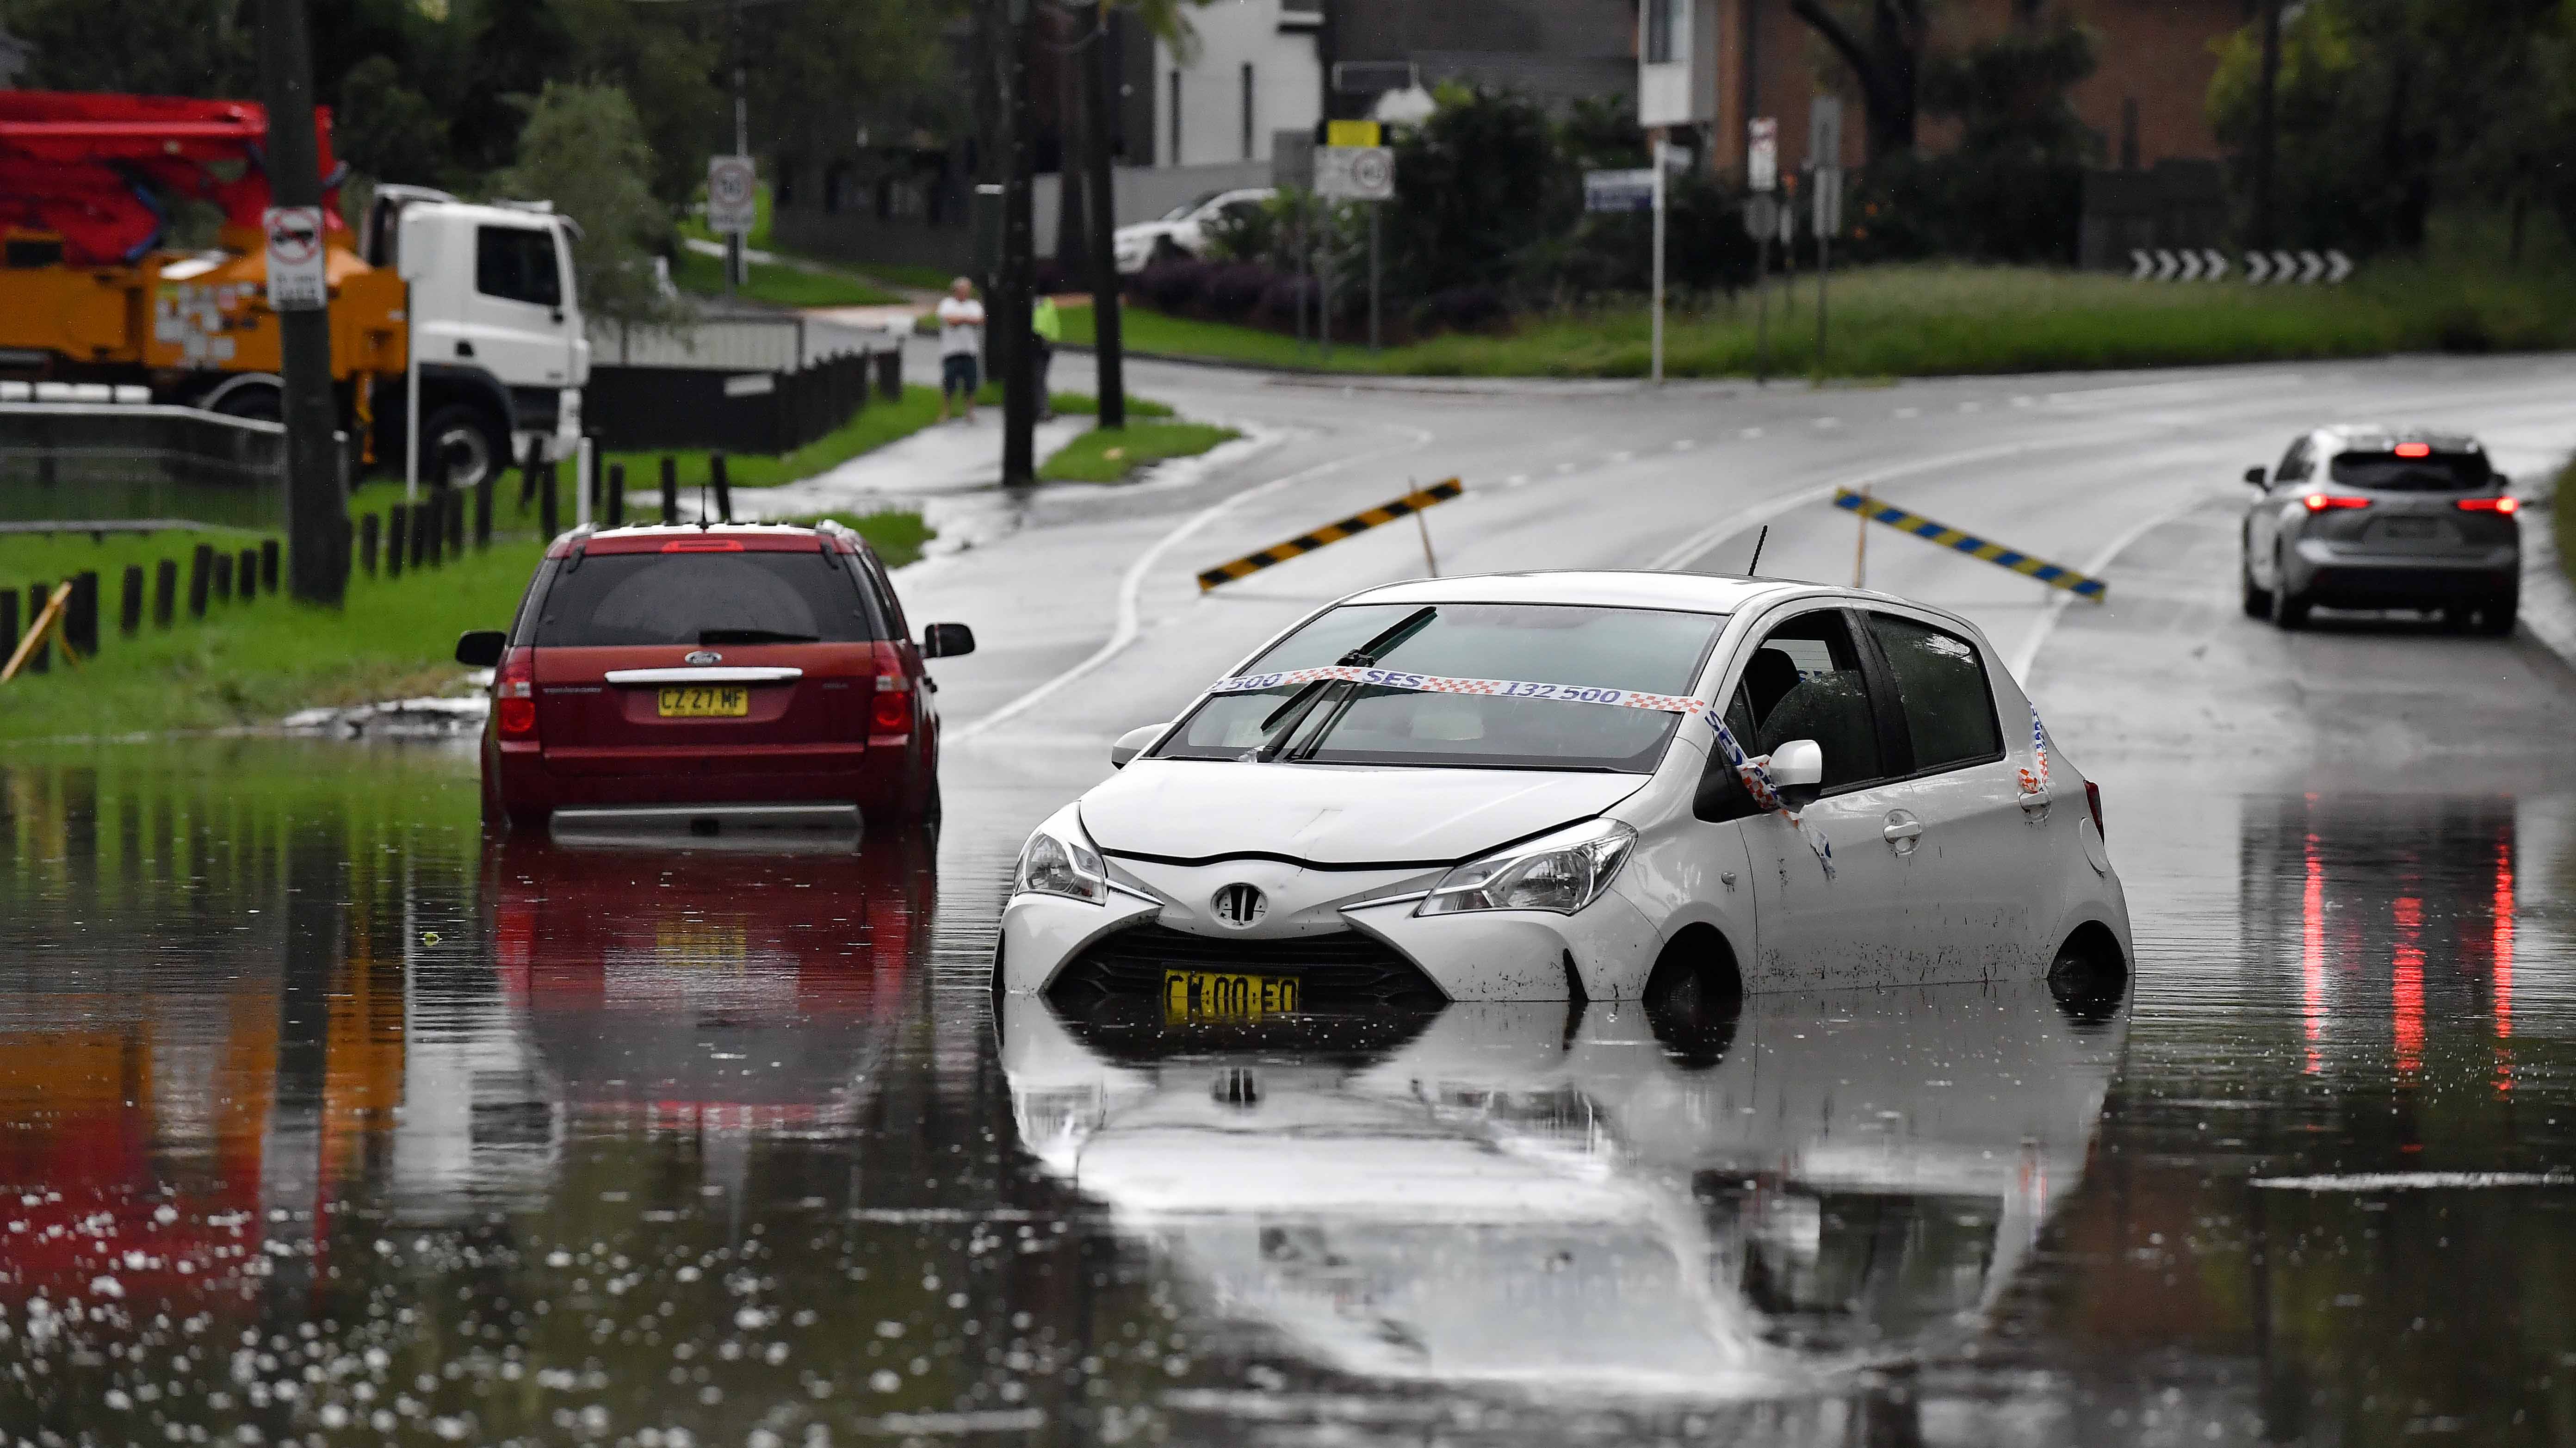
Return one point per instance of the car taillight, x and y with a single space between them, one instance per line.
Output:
2319 502
893 712
2093 802
2489 505
514 695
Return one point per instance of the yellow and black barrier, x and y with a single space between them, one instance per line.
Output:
1969 543
1304 543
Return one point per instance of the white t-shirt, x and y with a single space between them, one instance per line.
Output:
961 327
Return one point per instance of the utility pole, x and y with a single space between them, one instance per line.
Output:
1008 309
737 266
316 509
1108 343
2265 124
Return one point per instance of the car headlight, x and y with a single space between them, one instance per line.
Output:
1562 872
1060 861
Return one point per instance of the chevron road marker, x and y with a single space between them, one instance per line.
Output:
1331 533
2051 574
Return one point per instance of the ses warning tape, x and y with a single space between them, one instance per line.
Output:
1438 684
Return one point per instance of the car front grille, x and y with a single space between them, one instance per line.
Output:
1345 968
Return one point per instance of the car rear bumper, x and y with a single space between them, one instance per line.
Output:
527 784
2330 574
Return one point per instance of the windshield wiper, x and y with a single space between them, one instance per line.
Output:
1301 703
753 636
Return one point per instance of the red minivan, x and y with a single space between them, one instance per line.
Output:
706 678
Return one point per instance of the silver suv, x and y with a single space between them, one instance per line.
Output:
2373 517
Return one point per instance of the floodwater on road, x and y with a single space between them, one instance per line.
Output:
323 1118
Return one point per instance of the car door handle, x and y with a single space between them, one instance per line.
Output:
1902 830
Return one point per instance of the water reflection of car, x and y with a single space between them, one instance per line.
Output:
1578 786
1555 1197
710 677
708 989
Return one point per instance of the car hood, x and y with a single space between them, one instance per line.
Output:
1335 814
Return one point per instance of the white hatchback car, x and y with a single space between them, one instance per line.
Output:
1554 786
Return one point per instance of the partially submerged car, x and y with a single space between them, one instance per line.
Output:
1577 786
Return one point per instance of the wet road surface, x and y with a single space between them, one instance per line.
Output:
323 1118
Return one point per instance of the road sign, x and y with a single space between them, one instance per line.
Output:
1761 215
1354 133
297 280
1355 173
733 194
1829 202
1762 153
1825 131
1619 190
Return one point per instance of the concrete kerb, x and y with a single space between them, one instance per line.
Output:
2548 599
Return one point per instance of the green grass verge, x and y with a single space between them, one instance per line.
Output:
255 662
778 284
1936 320
1105 455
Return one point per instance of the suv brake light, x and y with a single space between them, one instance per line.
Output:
2489 505
892 713
2320 502
514 695
2093 802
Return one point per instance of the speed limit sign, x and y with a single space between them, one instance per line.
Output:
1355 173
733 194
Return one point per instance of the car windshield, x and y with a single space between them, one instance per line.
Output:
1645 650
1182 211
2390 472
628 599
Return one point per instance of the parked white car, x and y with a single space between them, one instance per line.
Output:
1554 786
1181 231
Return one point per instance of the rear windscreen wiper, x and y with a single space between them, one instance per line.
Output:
753 636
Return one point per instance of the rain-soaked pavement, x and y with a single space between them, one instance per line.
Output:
323 1118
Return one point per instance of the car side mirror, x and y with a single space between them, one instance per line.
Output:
1797 771
481 648
2254 477
1132 743
947 641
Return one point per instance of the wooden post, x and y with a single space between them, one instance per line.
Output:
397 539
1860 549
246 582
201 579
549 514
370 537
616 508
165 592
9 619
431 526
483 509
268 565
80 615
129 601
724 489
670 490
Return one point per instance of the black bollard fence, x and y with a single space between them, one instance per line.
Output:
528 466
483 509
397 539
890 375
165 592
80 614
268 566
548 507
670 490
419 523
431 528
8 623
452 508
616 509
129 601
370 537
201 579
246 580
43 658
724 490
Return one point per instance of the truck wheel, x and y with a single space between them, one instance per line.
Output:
254 398
462 444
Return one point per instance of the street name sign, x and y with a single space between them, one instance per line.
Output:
1619 190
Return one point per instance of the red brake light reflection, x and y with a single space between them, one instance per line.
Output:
2414 449
702 545
2320 502
2490 505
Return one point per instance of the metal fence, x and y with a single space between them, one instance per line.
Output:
740 344
64 464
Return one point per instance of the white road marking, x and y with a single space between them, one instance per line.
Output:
1515 480
1686 444
2046 623
1750 432
1829 422
1972 407
2413 1181
1623 457
1909 412
1132 586
1565 467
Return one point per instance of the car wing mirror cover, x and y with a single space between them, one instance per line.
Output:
1797 770
1132 743
947 641
481 648
2255 477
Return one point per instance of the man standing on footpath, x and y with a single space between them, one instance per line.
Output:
1046 327
961 344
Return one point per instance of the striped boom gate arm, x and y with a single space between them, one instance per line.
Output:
1331 533
2081 585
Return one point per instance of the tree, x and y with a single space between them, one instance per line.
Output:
584 149
1886 61
1478 186
387 130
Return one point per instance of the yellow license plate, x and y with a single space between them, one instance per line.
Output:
697 701
1190 995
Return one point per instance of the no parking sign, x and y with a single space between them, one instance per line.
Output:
297 279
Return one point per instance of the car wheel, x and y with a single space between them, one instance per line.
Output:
2457 617
1166 249
2496 617
1694 998
2258 599
2289 610
2086 988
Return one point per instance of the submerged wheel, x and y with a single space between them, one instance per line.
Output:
1694 998
2088 977
2289 610
2257 599
2495 616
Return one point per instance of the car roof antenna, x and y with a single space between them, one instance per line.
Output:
1754 567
